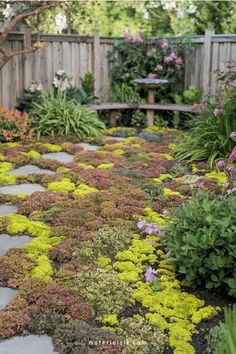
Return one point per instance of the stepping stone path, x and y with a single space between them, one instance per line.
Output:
6 295
113 138
87 147
29 169
6 209
62 157
8 241
31 344
25 188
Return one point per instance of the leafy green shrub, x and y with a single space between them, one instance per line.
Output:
138 119
54 116
201 238
222 338
30 95
79 95
192 95
125 93
209 137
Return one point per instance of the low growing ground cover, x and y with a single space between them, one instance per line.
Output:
98 275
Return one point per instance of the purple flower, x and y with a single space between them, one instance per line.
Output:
159 67
166 212
165 44
141 224
204 101
218 111
151 243
151 274
233 136
151 229
221 164
226 185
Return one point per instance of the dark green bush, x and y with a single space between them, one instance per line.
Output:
201 239
55 116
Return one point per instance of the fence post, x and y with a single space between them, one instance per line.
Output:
27 58
207 59
96 61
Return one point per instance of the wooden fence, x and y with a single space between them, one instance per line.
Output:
78 55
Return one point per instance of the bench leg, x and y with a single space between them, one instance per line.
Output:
113 118
150 118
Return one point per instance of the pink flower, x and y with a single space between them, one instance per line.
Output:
218 111
159 67
137 38
128 36
233 154
173 56
167 59
165 44
178 61
151 76
196 108
149 54
226 185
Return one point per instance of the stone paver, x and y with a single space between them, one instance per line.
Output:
6 294
6 209
8 241
31 344
87 147
29 169
62 157
25 188
113 138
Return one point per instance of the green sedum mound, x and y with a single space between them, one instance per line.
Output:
56 116
201 238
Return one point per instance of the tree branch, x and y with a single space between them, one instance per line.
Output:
7 54
45 5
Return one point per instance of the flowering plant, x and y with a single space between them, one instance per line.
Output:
209 137
229 167
14 125
140 57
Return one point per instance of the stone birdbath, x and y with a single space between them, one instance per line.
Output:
151 85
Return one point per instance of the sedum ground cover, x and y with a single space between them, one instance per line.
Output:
97 276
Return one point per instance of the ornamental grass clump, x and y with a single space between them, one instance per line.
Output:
209 137
55 116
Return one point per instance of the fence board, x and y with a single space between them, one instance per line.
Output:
74 54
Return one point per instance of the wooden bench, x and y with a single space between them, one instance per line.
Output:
114 107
